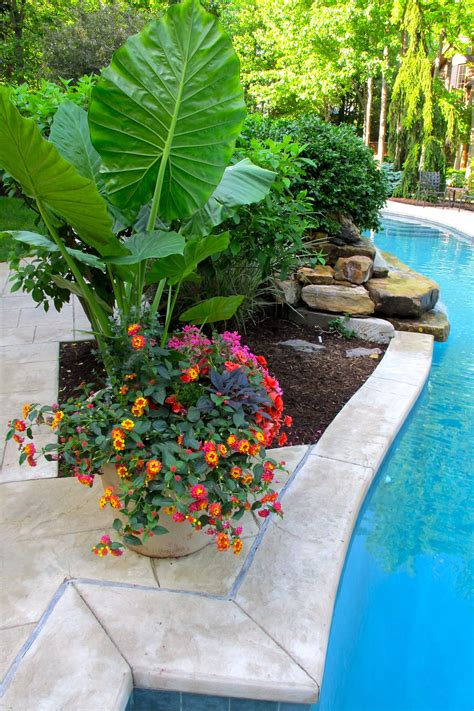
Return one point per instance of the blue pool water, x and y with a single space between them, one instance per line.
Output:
402 637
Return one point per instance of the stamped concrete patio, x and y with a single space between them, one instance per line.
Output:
78 632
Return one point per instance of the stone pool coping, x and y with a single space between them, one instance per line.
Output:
257 629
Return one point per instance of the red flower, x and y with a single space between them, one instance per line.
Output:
283 439
288 421
231 366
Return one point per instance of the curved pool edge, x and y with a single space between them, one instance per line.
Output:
412 213
302 556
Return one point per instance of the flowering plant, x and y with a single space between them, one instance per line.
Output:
185 426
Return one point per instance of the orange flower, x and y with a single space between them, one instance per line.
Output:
237 545
141 402
244 446
235 472
118 433
222 449
260 437
130 376
215 509
212 458
26 410
222 541
138 342
133 329
154 467
137 411
122 471
119 444
128 424
123 390
247 479
20 426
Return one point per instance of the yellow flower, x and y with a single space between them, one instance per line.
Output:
127 424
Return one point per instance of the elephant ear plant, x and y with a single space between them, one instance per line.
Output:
131 193
131 196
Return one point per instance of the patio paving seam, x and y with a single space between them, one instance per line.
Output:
241 575
8 678
275 641
73 583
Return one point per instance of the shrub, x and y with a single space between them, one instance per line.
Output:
456 178
271 232
342 175
87 44
392 176
42 103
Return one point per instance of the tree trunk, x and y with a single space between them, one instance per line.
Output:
439 54
383 111
368 112
17 16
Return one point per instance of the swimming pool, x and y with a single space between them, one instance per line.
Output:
402 633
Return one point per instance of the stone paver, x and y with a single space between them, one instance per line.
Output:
211 647
71 665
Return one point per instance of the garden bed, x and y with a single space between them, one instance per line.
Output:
315 385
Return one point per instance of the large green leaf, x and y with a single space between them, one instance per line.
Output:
55 184
220 308
36 240
177 267
242 184
172 94
151 245
70 135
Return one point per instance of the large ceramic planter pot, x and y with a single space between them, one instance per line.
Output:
181 540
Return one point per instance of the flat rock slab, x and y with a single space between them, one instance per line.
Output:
338 299
404 292
433 322
363 352
376 330
300 345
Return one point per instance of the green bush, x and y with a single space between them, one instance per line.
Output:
341 175
87 44
41 103
456 178
270 233
392 176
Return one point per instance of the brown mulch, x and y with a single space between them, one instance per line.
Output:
315 385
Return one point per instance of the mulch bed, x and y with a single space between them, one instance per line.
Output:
315 385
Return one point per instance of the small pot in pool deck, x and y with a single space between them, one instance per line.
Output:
181 540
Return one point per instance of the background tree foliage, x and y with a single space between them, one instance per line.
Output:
375 65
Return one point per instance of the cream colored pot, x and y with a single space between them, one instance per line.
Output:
181 540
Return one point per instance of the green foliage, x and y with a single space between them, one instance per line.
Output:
270 233
85 44
165 146
41 103
169 131
15 215
340 174
392 176
456 178
339 325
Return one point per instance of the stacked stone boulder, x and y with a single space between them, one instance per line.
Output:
360 281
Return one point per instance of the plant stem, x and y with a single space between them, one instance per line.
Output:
169 311
157 297
100 322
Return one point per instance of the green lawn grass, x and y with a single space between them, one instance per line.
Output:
15 215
